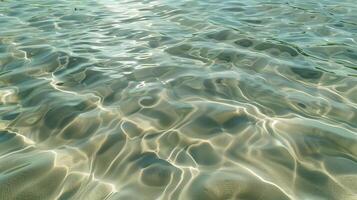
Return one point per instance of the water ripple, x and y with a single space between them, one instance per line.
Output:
178 100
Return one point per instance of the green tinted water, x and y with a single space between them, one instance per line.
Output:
178 100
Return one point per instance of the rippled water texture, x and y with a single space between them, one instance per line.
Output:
186 100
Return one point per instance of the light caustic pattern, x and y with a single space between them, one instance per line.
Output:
180 100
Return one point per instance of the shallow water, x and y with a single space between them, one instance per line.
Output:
191 100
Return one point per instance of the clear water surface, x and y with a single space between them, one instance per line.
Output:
186 100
